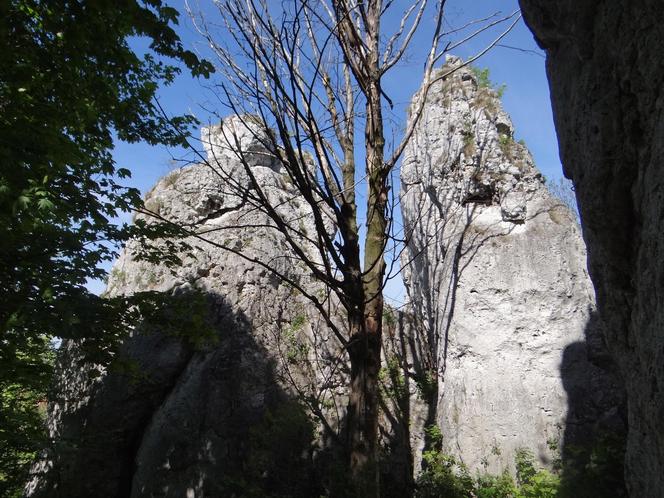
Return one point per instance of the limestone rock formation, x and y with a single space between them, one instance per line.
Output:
246 411
188 422
495 270
606 77
495 351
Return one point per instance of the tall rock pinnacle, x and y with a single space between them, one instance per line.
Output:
495 270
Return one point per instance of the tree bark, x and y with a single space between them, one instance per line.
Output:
366 339
362 421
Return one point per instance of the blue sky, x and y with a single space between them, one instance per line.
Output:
517 63
526 98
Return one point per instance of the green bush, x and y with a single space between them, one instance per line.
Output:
484 81
278 457
534 483
445 476
595 472
389 317
496 486
482 77
505 142
23 414
392 380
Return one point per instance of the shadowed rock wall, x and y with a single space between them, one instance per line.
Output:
604 63
230 416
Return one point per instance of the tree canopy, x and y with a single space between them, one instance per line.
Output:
70 84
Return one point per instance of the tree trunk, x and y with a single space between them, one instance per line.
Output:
362 421
366 339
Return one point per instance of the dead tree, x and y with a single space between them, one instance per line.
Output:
309 74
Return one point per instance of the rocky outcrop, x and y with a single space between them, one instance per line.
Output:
495 269
606 78
206 415
247 396
495 352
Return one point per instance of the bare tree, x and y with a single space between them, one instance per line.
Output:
308 74
563 190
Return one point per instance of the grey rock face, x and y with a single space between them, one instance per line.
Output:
186 425
605 72
495 268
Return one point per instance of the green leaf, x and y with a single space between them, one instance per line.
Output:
124 173
45 205
70 83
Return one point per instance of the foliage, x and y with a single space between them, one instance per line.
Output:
444 475
484 81
70 84
22 412
389 317
468 139
596 471
185 315
426 383
278 456
482 77
434 435
505 143
496 486
534 483
297 348
589 472
393 381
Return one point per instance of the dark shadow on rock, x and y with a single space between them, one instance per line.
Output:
409 395
593 446
403 350
181 420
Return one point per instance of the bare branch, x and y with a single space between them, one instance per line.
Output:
388 60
